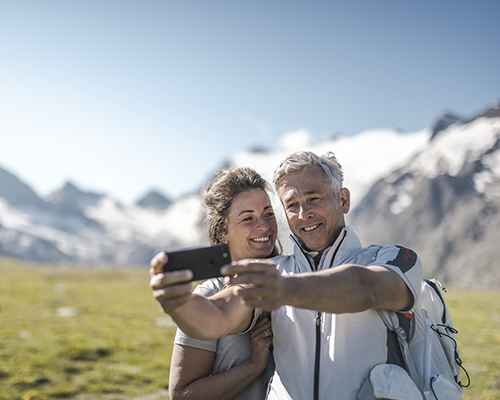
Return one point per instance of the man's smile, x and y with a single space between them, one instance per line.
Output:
310 228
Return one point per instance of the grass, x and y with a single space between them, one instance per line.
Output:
65 332
476 315
74 333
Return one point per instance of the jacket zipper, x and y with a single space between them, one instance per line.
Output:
318 354
317 358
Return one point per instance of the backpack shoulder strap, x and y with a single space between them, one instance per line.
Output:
391 321
433 283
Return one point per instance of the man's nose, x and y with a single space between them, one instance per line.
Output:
305 212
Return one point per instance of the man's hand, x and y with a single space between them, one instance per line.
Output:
170 289
267 289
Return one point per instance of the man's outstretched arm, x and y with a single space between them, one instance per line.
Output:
347 288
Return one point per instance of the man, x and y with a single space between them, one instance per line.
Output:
327 333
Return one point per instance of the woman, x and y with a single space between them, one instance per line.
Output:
240 214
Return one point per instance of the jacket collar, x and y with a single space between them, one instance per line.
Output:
347 242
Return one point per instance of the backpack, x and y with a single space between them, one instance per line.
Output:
431 351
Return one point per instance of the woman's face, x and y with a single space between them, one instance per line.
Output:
251 226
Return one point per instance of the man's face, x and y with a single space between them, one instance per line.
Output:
315 215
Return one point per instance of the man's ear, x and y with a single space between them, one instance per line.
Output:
345 200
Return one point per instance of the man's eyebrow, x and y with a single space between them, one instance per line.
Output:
312 191
288 196
308 193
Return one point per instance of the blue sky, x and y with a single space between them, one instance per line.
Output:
123 96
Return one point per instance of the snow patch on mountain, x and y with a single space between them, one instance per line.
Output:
176 224
180 223
11 217
483 180
452 152
365 158
455 146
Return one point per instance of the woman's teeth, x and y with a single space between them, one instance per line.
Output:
264 239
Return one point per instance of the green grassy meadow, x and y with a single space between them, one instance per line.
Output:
75 333
113 348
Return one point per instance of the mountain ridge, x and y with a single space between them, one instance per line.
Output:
436 191
445 204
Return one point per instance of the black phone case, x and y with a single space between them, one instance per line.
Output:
205 262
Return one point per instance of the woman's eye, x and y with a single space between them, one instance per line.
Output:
247 219
269 215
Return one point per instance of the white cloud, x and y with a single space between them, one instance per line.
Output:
296 140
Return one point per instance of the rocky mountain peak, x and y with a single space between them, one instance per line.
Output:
18 193
154 200
444 121
493 112
71 198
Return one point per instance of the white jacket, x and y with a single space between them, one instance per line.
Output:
333 352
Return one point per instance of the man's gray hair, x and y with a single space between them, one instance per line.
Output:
306 159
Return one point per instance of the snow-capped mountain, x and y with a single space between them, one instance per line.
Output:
76 227
73 226
436 191
154 200
444 203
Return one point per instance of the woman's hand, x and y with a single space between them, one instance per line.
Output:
170 289
262 342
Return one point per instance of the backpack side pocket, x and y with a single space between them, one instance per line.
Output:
389 381
443 388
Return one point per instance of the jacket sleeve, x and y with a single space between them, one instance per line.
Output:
406 264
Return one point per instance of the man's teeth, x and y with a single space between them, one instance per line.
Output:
310 228
264 239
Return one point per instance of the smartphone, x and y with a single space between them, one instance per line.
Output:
205 262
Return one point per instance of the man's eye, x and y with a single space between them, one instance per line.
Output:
291 206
